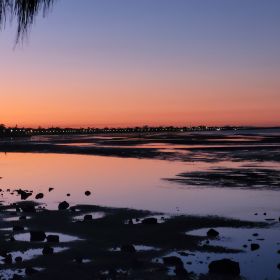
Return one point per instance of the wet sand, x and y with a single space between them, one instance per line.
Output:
99 236
118 243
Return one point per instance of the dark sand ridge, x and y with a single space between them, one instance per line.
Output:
108 232
245 178
199 147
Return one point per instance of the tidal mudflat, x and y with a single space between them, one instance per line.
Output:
160 192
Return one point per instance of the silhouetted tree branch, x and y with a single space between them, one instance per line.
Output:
24 12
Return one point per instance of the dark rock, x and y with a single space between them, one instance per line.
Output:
224 266
39 196
18 259
28 208
278 266
47 250
254 246
22 218
51 189
18 228
8 259
255 234
52 238
173 261
63 205
68 194
88 217
30 270
12 239
149 221
212 233
23 194
87 193
37 235
128 248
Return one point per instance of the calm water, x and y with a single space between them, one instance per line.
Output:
135 183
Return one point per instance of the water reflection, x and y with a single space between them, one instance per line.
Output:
132 183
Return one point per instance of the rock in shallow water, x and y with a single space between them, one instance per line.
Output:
173 261
37 235
47 250
30 270
88 217
128 248
63 205
212 233
254 246
149 221
39 196
224 266
52 238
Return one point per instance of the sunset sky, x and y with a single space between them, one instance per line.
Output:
138 62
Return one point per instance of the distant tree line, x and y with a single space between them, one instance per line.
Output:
26 132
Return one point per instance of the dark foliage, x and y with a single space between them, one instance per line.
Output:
24 12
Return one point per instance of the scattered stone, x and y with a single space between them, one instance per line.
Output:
18 259
224 266
52 238
212 233
254 246
173 261
149 221
63 205
255 234
88 217
128 248
28 208
8 259
47 250
37 235
87 193
68 194
39 196
30 270
22 218
51 189
23 194
12 239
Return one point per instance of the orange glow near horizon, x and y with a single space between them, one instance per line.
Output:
125 101
180 65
